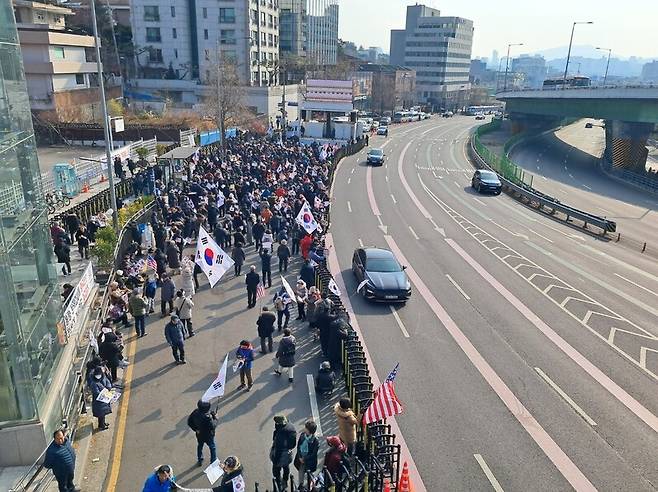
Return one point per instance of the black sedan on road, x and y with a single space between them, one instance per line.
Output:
376 157
381 278
484 181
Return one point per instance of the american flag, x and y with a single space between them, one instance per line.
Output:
260 291
385 403
151 263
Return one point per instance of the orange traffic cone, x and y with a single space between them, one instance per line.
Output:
85 188
405 484
387 486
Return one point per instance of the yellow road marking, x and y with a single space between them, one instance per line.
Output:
122 419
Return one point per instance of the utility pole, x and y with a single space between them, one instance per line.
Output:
566 67
284 113
106 128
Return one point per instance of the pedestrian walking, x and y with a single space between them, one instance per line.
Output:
266 266
63 253
72 224
347 421
238 257
161 480
283 253
252 279
297 235
100 409
245 358
282 305
187 277
232 475
150 288
173 260
284 441
176 339
301 292
183 305
83 242
265 324
60 458
167 292
258 230
203 422
138 307
285 354
306 459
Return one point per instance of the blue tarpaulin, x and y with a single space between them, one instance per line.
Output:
208 138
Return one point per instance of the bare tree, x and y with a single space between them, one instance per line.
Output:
224 102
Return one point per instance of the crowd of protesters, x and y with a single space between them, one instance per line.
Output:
248 199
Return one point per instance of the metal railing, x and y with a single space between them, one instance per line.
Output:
646 181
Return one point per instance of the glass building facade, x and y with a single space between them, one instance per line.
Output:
30 343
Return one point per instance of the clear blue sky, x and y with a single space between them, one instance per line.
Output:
628 27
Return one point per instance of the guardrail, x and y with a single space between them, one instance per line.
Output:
33 480
643 181
537 198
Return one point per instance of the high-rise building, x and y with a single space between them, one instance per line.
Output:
533 69
180 43
650 71
31 346
439 50
309 28
494 60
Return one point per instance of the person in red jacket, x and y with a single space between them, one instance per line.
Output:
305 245
334 457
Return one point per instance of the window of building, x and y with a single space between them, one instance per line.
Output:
207 54
227 15
155 55
173 11
229 55
262 18
270 20
58 52
204 12
174 33
263 56
151 13
263 38
227 36
254 16
153 35
270 56
270 40
205 34
175 53
254 37
276 40
80 78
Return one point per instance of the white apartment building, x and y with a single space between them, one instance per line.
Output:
60 67
179 43
439 50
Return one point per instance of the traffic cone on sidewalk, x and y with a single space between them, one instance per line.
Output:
405 484
85 188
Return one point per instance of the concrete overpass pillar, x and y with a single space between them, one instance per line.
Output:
625 144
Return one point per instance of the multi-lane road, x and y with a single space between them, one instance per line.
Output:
528 352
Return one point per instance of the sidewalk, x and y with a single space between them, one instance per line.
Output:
160 395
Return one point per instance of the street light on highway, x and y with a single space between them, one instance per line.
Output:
507 63
566 68
609 50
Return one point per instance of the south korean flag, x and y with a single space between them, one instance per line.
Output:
212 259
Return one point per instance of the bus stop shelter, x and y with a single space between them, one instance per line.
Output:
174 163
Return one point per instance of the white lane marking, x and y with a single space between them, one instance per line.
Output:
457 184
540 235
622 263
387 179
314 403
352 171
587 187
567 468
440 177
544 178
349 180
604 210
437 228
456 286
598 281
565 397
393 198
349 207
637 285
399 321
360 243
435 175
480 202
488 473
515 234
571 176
413 233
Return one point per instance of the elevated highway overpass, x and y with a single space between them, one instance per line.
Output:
630 115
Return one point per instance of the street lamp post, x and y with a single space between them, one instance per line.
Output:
566 68
106 120
607 66
507 63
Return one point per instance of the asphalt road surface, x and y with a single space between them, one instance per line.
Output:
528 351
566 166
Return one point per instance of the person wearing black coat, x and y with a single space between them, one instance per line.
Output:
307 273
265 324
110 352
266 266
160 262
60 458
284 440
252 279
283 253
72 224
63 253
258 229
203 422
232 470
325 380
338 329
